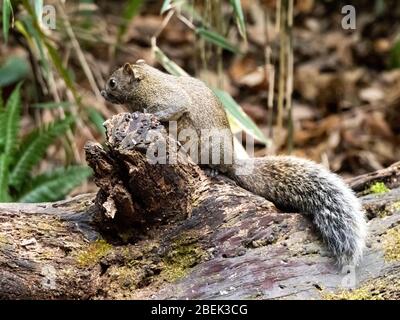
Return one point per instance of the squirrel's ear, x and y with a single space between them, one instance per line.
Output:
128 69
137 73
133 72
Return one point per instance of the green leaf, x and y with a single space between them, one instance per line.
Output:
55 57
13 70
52 105
131 9
167 5
7 11
97 119
240 117
379 7
26 28
33 148
4 160
189 10
395 55
38 7
216 39
237 7
55 185
11 121
167 63
3 123
60 68
87 10
1 101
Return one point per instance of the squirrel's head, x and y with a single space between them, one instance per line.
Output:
123 82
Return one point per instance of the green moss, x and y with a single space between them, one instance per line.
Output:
378 188
184 254
363 293
255 296
382 213
93 253
395 206
385 288
392 245
3 241
2 238
127 277
43 226
389 209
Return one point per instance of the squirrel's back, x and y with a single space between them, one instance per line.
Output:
196 90
204 114
296 184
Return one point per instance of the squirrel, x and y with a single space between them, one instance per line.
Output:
291 183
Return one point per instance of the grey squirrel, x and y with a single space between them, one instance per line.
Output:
291 183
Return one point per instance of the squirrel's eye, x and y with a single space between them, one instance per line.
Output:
113 83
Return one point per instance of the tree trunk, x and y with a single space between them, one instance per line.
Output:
169 231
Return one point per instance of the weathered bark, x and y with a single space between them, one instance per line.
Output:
169 231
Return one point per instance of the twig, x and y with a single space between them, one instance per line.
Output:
79 53
164 23
282 65
269 70
289 75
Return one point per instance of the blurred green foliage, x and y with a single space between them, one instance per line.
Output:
18 156
13 70
394 61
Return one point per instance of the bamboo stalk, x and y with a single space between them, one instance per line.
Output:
269 72
282 64
289 75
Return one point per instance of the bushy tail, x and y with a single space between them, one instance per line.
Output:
304 186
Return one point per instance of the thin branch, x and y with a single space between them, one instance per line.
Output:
79 53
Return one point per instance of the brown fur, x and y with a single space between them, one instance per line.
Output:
141 87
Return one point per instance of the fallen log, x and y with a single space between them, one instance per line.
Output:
389 176
169 231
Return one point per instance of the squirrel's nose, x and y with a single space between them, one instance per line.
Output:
103 93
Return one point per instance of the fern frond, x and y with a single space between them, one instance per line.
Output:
2 122
4 196
33 148
55 185
1 101
12 121
2 130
